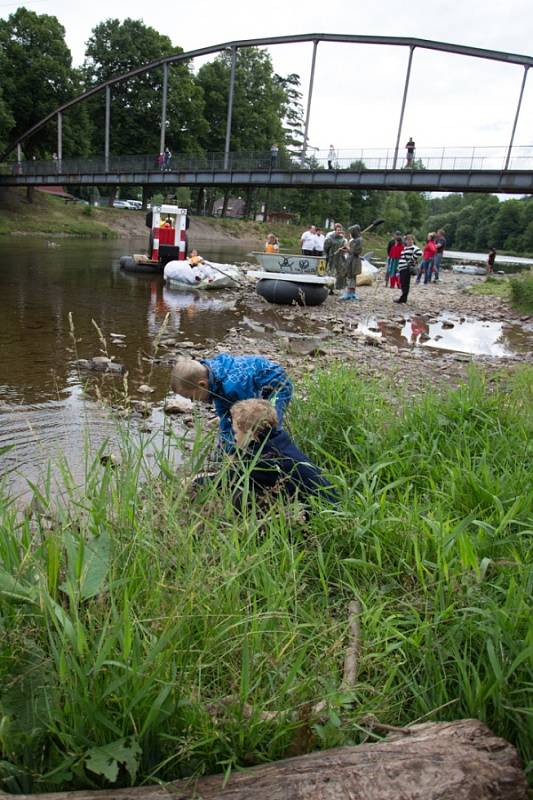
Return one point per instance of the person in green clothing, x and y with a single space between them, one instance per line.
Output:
335 245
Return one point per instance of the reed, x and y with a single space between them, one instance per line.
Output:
147 636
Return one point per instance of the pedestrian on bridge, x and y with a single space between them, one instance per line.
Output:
410 147
274 150
332 158
168 159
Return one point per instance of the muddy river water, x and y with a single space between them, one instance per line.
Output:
53 293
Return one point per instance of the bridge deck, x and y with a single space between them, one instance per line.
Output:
511 181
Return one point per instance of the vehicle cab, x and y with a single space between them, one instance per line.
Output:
168 233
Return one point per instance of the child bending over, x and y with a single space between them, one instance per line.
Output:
226 379
276 463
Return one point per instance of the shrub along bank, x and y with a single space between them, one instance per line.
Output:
145 636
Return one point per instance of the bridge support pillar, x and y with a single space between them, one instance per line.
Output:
230 106
309 98
107 125
516 118
404 99
59 139
164 108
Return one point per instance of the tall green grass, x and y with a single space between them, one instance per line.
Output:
522 292
146 635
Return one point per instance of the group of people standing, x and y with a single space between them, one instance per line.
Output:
403 261
312 241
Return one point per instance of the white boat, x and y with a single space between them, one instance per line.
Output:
205 276
315 280
469 269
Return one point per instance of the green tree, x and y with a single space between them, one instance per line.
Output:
260 103
37 77
117 47
507 225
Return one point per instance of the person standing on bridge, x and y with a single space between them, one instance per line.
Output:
168 159
274 150
410 147
332 158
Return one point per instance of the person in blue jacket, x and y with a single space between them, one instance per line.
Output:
226 379
277 465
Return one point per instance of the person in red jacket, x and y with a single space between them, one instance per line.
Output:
428 255
394 251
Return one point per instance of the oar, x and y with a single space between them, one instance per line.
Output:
373 225
224 273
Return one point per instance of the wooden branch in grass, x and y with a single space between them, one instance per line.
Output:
438 761
352 651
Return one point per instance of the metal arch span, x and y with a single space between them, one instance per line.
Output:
401 41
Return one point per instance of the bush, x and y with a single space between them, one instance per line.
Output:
522 292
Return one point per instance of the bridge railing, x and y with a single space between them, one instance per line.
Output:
440 159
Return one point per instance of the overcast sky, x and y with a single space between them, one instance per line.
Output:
453 100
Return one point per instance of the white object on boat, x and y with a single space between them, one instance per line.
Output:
469 269
204 276
292 263
317 280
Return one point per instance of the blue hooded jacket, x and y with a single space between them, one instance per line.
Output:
234 378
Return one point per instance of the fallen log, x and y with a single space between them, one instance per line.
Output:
436 761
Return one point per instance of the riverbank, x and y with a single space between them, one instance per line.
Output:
57 217
148 635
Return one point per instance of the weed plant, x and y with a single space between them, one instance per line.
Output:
522 292
149 636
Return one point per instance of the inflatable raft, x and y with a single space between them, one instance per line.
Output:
288 289
469 269
205 276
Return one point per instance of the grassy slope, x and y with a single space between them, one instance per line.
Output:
51 215
127 617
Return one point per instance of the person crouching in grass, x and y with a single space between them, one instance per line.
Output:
276 465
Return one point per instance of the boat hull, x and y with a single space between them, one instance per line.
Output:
287 293
291 263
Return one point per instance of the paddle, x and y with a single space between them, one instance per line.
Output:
373 225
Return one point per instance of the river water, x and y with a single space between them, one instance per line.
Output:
67 299
46 407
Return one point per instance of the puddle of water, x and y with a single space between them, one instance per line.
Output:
474 337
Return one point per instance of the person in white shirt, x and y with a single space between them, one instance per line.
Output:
319 243
332 157
307 241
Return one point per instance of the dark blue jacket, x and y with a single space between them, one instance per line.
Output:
277 460
233 378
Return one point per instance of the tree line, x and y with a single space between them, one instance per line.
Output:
38 76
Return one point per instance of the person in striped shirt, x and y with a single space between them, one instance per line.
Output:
406 265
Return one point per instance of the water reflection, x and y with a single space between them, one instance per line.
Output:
475 337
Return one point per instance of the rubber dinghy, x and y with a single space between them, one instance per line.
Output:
207 275
469 269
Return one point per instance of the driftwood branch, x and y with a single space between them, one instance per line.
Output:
351 657
438 761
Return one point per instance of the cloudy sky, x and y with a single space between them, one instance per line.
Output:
453 100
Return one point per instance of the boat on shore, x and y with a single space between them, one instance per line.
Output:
290 262
469 269
289 288
205 276
167 242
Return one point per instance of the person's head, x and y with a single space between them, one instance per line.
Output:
441 232
312 228
337 227
409 239
355 230
398 236
252 420
318 230
190 379
271 238
431 236
193 253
